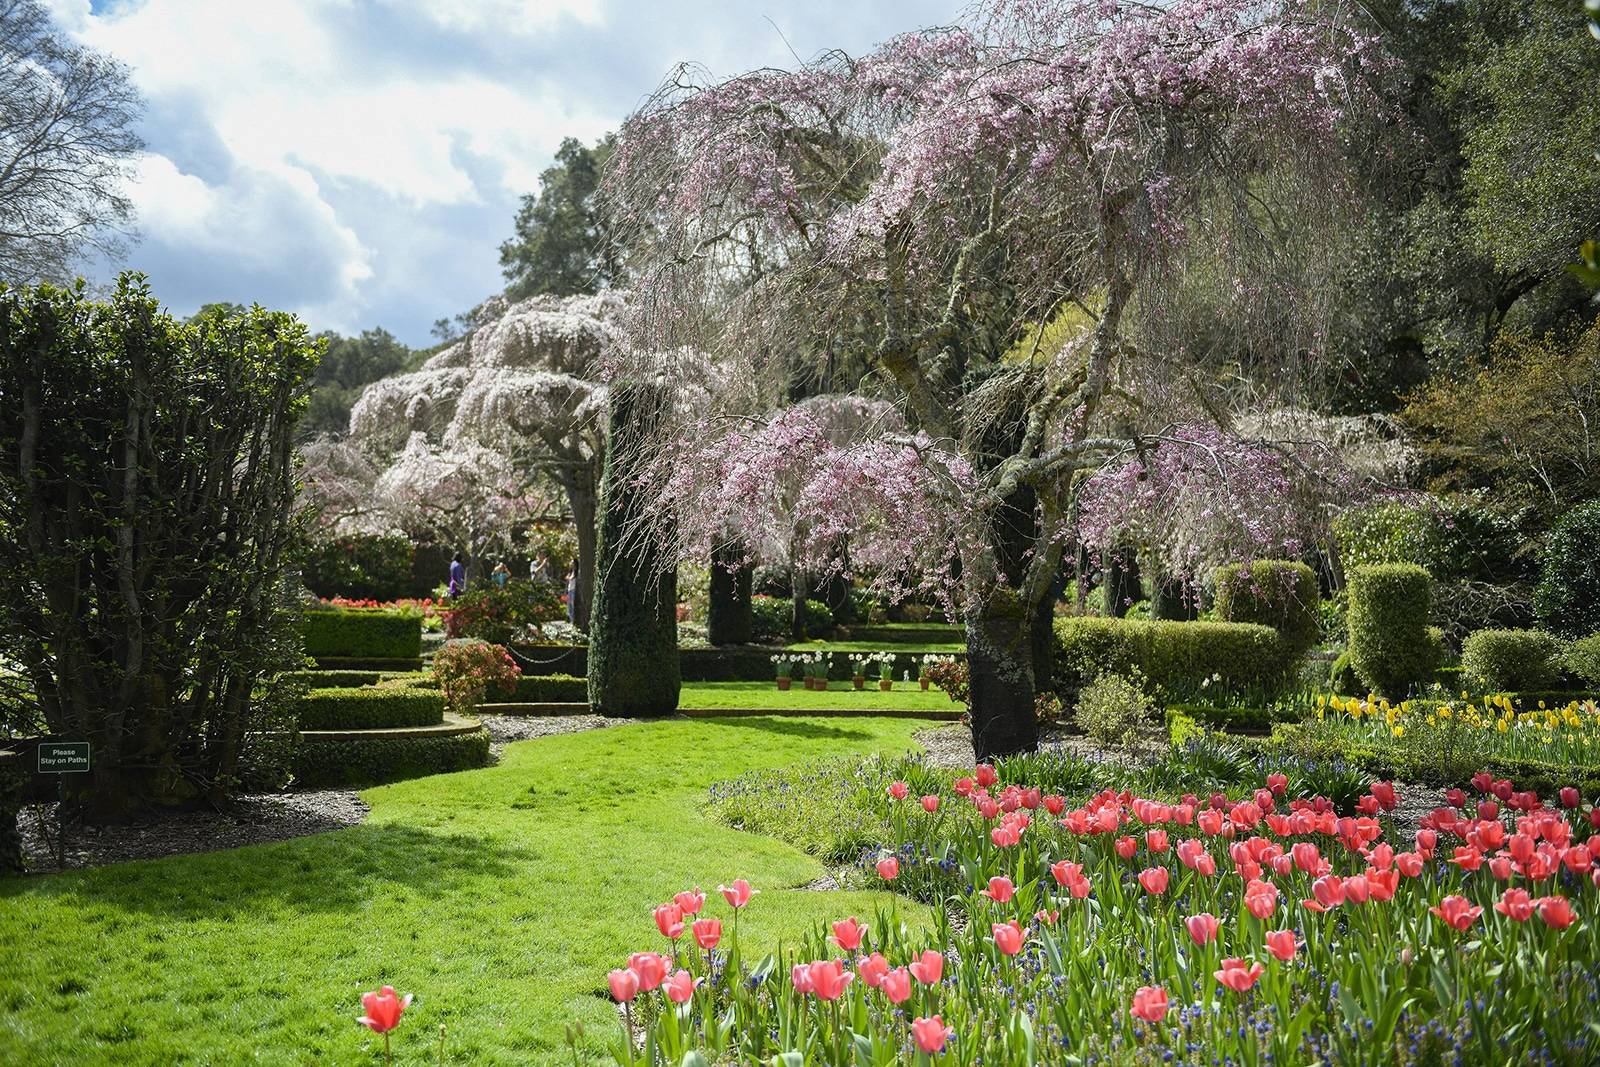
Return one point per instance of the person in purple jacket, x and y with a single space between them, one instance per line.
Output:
458 576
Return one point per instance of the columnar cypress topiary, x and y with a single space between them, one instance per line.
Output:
1282 594
729 620
633 628
1392 648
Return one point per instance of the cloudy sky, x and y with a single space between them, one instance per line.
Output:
359 161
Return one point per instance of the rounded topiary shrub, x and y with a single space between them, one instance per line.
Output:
1282 594
1582 660
1567 600
1392 648
1509 661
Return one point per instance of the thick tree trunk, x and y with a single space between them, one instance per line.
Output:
1000 641
584 506
728 616
799 593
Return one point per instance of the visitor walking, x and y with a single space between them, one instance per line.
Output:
501 574
458 576
572 594
541 571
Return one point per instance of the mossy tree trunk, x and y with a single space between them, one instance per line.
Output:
633 627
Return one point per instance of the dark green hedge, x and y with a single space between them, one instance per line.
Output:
1392 649
367 663
909 634
552 659
338 679
320 764
371 708
1178 656
361 633
1567 599
551 689
1273 592
13 782
1497 660
1246 719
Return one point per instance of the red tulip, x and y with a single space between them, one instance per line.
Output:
872 969
928 968
847 934
899 790
1455 798
930 1034
1515 905
707 932
930 803
1278 783
1570 797
1202 928
985 775
1467 858
650 967
1556 912
1008 937
690 900
1127 847
1156 840
1054 804
800 975
1281 944
381 1010
1149 1004
1457 912
1327 893
1385 795
1000 889
680 987
1237 975
1503 789
889 868
669 920
1578 859
1409 863
1482 781
1154 880
1488 809
1260 898
828 979
738 894
897 986
1306 856
963 787
624 986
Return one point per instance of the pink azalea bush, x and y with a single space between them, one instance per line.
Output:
468 670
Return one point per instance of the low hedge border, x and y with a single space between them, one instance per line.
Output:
1178 656
361 632
1235 719
337 679
367 663
907 634
548 689
373 761
370 708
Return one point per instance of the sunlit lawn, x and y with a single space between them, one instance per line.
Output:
905 696
499 896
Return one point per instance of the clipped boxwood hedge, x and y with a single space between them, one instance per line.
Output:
370 708
337 679
1511 659
361 633
1178 656
550 689
1242 719
1392 647
1273 592
372 761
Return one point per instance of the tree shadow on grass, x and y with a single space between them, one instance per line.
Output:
337 871
786 726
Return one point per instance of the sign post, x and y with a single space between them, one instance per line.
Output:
62 758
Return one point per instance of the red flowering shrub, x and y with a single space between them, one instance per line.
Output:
467 670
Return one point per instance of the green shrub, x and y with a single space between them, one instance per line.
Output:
1276 593
1392 647
360 566
552 689
502 614
1226 717
1183 659
369 708
371 761
1342 677
337 679
468 671
1504 660
1567 600
1113 708
361 633
771 618
1583 660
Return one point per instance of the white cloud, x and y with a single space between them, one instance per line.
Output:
513 16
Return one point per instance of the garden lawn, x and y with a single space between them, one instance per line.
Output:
905 696
898 648
500 897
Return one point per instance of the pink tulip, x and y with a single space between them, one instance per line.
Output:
1237 975
928 968
828 979
985 775
1202 928
1260 898
680 987
1556 912
1127 847
873 969
899 790
1457 912
963 787
897 985
930 803
738 894
1149 1004
847 934
1000 890
381 1010
889 868
690 900
1281 944
669 920
800 975
1570 797
650 967
1515 905
930 1034
1278 784
624 985
707 932
1008 937
1154 880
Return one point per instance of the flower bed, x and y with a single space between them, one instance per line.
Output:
1260 927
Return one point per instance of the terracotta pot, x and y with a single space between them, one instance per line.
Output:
860 681
822 684
885 684
924 683
783 684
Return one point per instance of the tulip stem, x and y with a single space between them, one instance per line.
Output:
387 1057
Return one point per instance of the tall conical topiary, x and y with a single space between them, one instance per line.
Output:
729 619
633 628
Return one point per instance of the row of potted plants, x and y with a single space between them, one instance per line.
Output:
814 668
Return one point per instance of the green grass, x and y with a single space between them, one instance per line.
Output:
500 897
905 696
